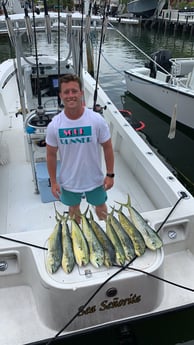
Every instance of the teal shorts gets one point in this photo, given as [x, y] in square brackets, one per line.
[96, 197]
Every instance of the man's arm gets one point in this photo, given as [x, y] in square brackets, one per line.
[52, 169]
[109, 161]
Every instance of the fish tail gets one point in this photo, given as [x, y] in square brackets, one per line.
[127, 204]
[86, 211]
[91, 216]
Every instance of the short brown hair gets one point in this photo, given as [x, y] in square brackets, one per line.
[66, 78]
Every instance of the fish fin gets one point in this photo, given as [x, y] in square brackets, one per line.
[129, 201]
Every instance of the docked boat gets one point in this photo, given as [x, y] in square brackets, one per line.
[41, 307]
[142, 7]
[167, 85]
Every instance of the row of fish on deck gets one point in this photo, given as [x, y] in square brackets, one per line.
[124, 239]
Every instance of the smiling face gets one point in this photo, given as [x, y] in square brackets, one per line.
[71, 96]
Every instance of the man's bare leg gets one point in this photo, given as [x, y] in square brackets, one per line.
[74, 212]
[101, 211]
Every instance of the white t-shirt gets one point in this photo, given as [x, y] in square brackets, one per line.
[79, 147]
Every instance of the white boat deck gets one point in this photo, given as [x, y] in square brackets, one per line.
[25, 322]
[45, 303]
[20, 202]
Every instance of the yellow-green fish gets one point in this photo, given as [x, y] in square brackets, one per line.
[134, 234]
[95, 248]
[54, 255]
[151, 238]
[80, 247]
[120, 255]
[126, 241]
[68, 259]
[109, 251]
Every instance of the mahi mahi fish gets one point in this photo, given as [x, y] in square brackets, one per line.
[95, 248]
[126, 241]
[151, 238]
[80, 246]
[68, 259]
[54, 255]
[134, 234]
[109, 251]
[120, 254]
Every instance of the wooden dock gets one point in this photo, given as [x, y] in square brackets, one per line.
[172, 20]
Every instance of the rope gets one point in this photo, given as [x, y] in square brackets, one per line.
[162, 279]
[183, 195]
[116, 69]
[22, 242]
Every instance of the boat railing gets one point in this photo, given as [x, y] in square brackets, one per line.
[182, 67]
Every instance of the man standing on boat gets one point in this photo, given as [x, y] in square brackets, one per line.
[78, 133]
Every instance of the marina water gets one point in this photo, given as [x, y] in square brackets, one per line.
[118, 54]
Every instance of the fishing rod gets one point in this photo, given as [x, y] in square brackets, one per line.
[58, 48]
[104, 26]
[81, 41]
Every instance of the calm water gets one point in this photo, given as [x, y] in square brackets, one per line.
[120, 54]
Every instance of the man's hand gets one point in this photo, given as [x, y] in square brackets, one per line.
[108, 182]
[56, 190]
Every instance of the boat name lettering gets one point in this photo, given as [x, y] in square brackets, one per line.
[110, 304]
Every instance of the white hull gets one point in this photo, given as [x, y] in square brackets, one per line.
[36, 305]
[162, 95]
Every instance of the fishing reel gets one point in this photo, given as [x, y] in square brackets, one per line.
[37, 120]
[99, 109]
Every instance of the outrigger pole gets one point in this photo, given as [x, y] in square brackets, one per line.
[47, 22]
[28, 26]
[103, 31]
[17, 68]
[40, 108]
[90, 62]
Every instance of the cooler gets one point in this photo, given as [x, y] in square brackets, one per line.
[43, 181]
